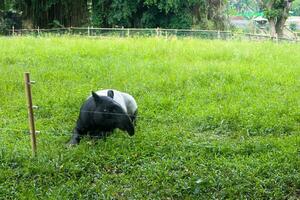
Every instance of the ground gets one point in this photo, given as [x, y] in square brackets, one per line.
[217, 119]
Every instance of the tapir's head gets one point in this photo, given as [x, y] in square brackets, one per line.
[110, 114]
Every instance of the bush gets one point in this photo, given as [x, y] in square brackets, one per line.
[11, 18]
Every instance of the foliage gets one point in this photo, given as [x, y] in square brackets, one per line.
[152, 14]
[43, 13]
[127, 13]
[121, 12]
[276, 8]
[296, 8]
[11, 18]
[217, 119]
[277, 12]
[246, 8]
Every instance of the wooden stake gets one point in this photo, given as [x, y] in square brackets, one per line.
[30, 112]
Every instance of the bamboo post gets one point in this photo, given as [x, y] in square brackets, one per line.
[30, 112]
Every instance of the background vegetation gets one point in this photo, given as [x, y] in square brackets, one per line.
[203, 14]
[276, 11]
[127, 13]
[217, 119]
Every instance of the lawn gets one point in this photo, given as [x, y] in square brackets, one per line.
[217, 119]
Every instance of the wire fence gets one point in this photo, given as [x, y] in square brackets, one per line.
[54, 132]
[21, 110]
[146, 32]
[62, 132]
[124, 32]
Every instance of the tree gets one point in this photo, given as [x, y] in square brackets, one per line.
[296, 8]
[246, 8]
[277, 12]
[127, 13]
[111, 13]
[159, 13]
[44, 13]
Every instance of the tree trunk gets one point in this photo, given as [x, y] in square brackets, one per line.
[272, 27]
[216, 11]
[196, 13]
[280, 26]
[78, 13]
[282, 19]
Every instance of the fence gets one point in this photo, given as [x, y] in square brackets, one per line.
[124, 32]
[147, 32]
[9, 125]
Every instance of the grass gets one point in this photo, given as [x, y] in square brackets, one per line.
[218, 119]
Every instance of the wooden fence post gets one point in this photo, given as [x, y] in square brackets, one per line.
[30, 112]
[13, 30]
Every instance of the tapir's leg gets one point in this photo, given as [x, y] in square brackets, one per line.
[100, 134]
[105, 134]
[77, 134]
[96, 134]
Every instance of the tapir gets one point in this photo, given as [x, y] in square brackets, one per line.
[104, 111]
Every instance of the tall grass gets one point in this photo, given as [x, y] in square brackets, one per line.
[217, 119]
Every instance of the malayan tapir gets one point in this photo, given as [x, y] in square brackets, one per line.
[104, 111]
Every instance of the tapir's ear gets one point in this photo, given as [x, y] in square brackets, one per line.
[96, 97]
[110, 93]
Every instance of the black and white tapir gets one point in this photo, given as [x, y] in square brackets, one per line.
[104, 111]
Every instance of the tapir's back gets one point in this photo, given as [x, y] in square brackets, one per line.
[130, 103]
[126, 101]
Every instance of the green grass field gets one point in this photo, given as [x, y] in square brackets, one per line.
[217, 119]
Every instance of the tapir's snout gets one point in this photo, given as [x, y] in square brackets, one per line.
[130, 129]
